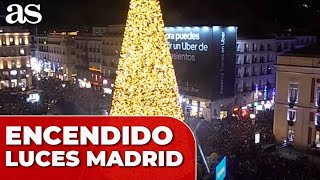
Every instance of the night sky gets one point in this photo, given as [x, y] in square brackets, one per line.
[247, 14]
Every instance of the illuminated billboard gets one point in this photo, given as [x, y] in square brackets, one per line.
[204, 60]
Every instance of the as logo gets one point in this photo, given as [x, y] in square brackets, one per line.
[17, 14]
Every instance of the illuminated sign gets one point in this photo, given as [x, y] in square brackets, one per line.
[204, 60]
[221, 169]
[94, 69]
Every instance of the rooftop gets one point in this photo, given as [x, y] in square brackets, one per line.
[308, 51]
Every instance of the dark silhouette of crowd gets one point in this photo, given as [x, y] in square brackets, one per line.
[51, 90]
[246, 160]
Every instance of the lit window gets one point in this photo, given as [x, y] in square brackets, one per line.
[11, 40]
[246, 47]
[223, 114]
[254, 47]
[13, 72]
[318, 96]
[203, 105]
[20, 40]
[317, 119]
[22, 52]
[317, 141]
[292, 115]
[293, 93]
[291, 134]
[238, 47]
[194, 103]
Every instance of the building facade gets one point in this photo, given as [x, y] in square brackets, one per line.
[15, 55]
[55, 53]
[297, 106]
[92, 59]
[255, 71]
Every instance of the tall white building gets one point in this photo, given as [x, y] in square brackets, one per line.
[255, 71]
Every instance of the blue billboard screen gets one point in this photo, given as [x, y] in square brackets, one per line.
[204, 60]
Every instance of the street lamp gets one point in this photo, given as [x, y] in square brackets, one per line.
[63, 85]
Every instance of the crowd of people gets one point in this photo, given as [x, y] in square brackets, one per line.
[232, 137]
[247, 159]
[13, 101]
[92, 101]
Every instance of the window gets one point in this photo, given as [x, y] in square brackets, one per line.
[254, 47]
[269, 71]
[22, 52]
[11, 40]
[317, 140]
[254, 71]
[292, 115]
[254, 59]
[13, 72]
[246, 47]
[14, 83]
[245, 58]
[291, 134]
[13, 64]
[203, 105]
[279, 47]
[5, 64]
[238, 47]
[5, 73]
[238, 61]
[195, 103]
[318, 96]
[293, 93]
[223, 114]
[317, 119]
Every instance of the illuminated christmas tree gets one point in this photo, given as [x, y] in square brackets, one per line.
[146, 83]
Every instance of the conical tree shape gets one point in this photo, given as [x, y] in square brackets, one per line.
[146, 84]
